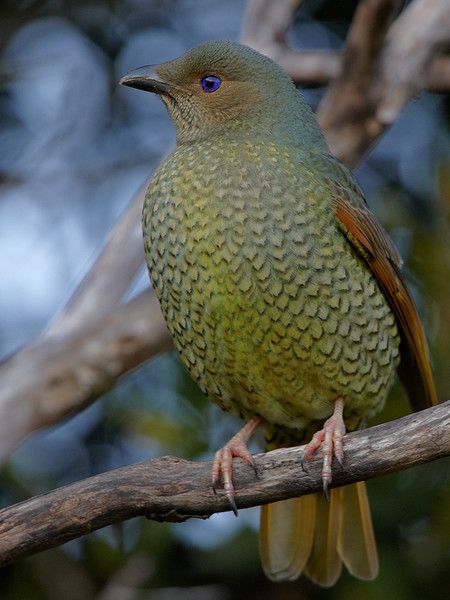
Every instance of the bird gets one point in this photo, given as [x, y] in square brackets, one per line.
[281, 290]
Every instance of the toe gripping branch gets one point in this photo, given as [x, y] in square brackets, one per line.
[330, 438]
[223, 460]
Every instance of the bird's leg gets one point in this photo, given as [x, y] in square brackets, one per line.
[330, 438]
[223, 459]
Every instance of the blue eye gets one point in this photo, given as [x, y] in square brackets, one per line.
[210, 83]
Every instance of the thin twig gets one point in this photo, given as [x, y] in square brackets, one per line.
[171, 489]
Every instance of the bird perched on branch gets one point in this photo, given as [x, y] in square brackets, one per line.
[281, 290]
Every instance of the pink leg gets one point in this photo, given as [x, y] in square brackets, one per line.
[223, 459]
[330, 438]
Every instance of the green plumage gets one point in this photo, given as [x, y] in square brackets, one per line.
[272, 311]
[281, 291]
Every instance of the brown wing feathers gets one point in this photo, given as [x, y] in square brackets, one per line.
[369, 238]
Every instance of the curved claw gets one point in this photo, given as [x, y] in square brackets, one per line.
[330, 438]
[223, 460]
[303, 461]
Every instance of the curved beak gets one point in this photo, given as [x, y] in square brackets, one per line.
[146, 78]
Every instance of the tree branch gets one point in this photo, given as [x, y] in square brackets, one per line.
[58, 375]
[267, 23]
[384, 65]
[421, 31]
[347, 111]
[171, 489]
[91, 343]
[109, 278]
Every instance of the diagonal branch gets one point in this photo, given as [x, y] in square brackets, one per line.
[58, 375]
[110, 277]
[171, 489]
[92, 342]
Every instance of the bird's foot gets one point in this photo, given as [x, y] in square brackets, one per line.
[223, 459]
[330, 438]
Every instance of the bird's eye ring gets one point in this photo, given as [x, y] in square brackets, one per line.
[210, 83]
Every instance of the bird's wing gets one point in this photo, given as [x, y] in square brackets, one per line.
[368, 237]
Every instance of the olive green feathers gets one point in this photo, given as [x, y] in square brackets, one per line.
[275, 299]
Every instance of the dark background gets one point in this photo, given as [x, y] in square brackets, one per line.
[74, 147]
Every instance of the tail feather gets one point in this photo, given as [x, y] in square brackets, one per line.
[324, 565]
[286, 536]
[356, 544]
[313, 536]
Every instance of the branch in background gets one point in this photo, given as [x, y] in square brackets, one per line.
[437, 77]
[265, 29]
[384, 65]
[170, 489]
[92, 342]
[347, 110]
[108, 280]
[58, 375]
[421, 31]
[310, 69]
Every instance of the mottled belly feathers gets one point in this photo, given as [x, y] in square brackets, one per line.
[272, 310]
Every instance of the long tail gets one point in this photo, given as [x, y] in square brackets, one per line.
[313, 536]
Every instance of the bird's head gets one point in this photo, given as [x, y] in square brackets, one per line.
[225, 87]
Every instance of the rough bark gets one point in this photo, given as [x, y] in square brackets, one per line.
[171, 489]
[58, 375]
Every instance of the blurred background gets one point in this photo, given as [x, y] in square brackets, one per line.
[74, 148]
